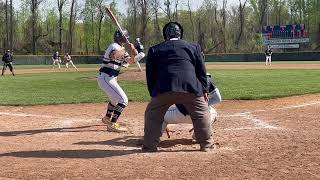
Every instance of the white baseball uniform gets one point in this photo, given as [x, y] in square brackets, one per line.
[69, 61]
[138, 57]
[268, 54]
[107, 80]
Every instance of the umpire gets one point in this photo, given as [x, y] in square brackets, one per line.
[176, 74]
[7, 62]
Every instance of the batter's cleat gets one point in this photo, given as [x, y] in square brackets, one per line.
[115, 127]
[106, 120]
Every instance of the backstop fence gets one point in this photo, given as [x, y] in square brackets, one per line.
[247, 57]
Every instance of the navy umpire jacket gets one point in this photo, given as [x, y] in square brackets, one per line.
[176, 66]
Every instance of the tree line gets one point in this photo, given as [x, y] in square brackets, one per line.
[218, 26]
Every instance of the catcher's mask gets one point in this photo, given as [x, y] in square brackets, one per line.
[119, 37]
[172, 30]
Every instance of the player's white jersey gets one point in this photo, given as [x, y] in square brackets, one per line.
[114, 64]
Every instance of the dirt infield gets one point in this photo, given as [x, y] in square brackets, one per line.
[265, 139]
[277, 138]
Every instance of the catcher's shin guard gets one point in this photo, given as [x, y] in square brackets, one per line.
[117, 112]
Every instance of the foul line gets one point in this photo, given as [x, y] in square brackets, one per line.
[260, 124]
[45, 116]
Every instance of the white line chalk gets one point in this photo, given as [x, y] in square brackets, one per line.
[46, 116]
[259, 124]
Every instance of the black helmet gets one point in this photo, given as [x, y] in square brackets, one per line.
[119, 37]
[172, 30]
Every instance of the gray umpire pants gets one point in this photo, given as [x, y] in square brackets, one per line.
[156, 109]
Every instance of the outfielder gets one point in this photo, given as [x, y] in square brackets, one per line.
[68, 60]
[56, 60]
[139, 47]
[178, 114]
[268, 54]
[7, 62]
[114, 57]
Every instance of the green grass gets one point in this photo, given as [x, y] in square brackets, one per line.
[74, 87]
[266, 84]
[61, 88]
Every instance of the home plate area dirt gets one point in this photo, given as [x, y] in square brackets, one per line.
[266, 139]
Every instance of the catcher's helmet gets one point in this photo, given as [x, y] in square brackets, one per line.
[172, 30]
[119, 37]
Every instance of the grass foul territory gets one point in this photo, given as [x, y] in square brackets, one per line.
[75, 87]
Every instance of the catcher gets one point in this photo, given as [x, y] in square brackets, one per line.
[138, 45]
[7, 62]
[115, 56]
[178, 114]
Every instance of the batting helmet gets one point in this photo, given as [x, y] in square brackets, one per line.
[119, 37]
[172, 30]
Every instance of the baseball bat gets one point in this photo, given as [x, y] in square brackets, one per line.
[115, 21]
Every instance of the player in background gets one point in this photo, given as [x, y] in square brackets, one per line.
[178, 114]
[7, 62]
[56, 60]
[115, 56]
[68, 60]
[268, 54]
[139, 47]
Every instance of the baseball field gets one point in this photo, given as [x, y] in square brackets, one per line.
[267, 128]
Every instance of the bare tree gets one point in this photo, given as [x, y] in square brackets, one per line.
[7, 26]
[167, 4]
[201, 35]
[133, 10]
[144, 19]
[191, 20]
[11, 26]
[34, 23]
[263, 6]
[100, 16]
[71, 25]
[279, 12]
[60, 7]
[155, 4]
[241, 18]
[222, 25]
[176, 15]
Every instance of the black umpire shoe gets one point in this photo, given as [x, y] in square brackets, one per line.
[209, 147]
[145, 149]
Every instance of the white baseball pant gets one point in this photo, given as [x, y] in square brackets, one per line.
[138, 58]
[174, 116]
[112, 89]
[70, 62]
[56, 61]
[268, 60]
